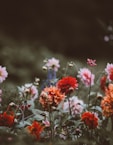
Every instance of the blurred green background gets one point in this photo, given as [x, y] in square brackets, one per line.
[66, 29]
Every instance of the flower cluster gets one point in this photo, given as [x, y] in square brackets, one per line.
[71, 106]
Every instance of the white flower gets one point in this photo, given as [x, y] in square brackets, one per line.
[3, 74]
[76, 105]
[28, 89]
[53, 63]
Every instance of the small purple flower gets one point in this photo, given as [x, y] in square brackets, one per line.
[3, 74]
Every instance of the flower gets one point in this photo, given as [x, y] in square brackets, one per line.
[90, 119]
[51, 97]
[109, 71]
[107, 102]
[6, 119]
[67, 84]
[86, 77]
[91, 62]
[76, 106]
[3, 74]
[28, 90]
[52, 63]
[36, 129]
[103, 80]
[107, 106]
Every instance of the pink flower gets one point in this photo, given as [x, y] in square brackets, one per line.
[91, 62]
[3, 74]
[53, 63]
[76, 106]
[109, 71]
[86, 77]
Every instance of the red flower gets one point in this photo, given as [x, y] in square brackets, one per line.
[6, 119]
[36, 129]
[103, 82]
[90, 119]
[67, 84]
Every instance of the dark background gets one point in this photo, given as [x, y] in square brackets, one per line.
[32, 30]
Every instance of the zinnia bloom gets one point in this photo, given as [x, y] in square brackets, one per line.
[109, 71]
[91, 62]
[76, 106]
[6, 119]
[90, 119]
[3, 74]
[67, 84]
[51, 96]
[36, 129]
[86, 77]
[52, 63]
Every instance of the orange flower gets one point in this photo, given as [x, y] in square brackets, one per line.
[90, 119]
[107, 106]
[107, 102]
[6, 119]
[51, 97]
[67, 84]
[36, 129]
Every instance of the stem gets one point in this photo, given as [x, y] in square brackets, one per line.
[69, 107]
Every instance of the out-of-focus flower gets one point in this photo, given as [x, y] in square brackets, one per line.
[3, 74]
[109, 71]
[107, 102]
[36, 129]
[6, 119]
[67, 84]
[28, 90]
[86, 77]
[76, 106]
[46, 123]
[51, 97]
[103, 80]
[107, 106]
[90, 119]
[52, 63]
[91, 62]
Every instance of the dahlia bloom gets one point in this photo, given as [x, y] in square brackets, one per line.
[109, 71]
[103, 82]
[76, 106]
[86, 77]
[67, 84]
[6, 119]
[3, 74]
[52, 63]
[36, 129]
[90, 119]
[28, 90]
[107, 102]
[91, 62]
[51, 97]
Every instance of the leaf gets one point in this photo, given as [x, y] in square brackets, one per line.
[97, 108]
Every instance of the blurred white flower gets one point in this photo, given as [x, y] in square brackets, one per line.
[53, 63]
[3, 74]
[76, 106]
